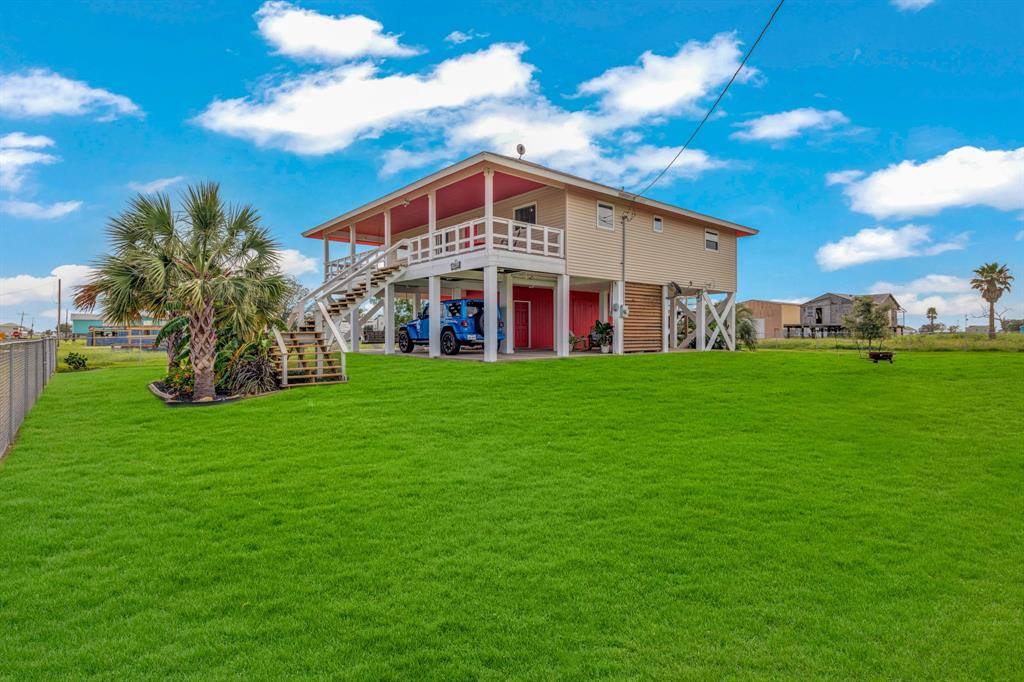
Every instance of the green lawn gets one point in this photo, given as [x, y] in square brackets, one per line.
[690, 516]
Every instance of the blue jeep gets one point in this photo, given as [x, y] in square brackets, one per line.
[462, 324]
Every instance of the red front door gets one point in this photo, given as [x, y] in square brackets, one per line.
[522, 339]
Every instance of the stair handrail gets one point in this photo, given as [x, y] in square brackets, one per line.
[343, 279]
[284, 355]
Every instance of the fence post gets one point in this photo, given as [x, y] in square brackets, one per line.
[10, 395]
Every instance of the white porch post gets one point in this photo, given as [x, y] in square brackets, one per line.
[389, 319]
[509, 314]
[602, 298]
[702, 320]
[489, 209]
[387, 228]
[730, 335]
[354, 313]
[432, 222]
[490, 313]
[673, 328]
[562, 316]
[665, 329]
[434, 323]
[619, 301]
[327, 254]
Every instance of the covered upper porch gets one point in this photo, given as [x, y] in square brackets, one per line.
[470, 216]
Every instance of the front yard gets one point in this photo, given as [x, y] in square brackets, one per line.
[775, 514]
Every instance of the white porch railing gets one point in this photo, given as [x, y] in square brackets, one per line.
[471, 235]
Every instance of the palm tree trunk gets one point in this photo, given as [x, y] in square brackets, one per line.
[203, 340]
[991, 319]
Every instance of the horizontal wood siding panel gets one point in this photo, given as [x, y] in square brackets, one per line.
[676, 254]
[642, 329]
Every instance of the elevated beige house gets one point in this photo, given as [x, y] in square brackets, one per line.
[553, 251]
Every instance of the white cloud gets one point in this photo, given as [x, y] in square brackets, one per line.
[787, 124]
[844, 177]
[965, 176]
[18, 152]
[911, 5]
[459, 37]
[28, 288]
[295, 263]
[306, 34]
[39, 92]
[33, 211]
[157, 185]
[326, 111]
[948, 294]
[882, 243]
[1019, 236]
[674, 84]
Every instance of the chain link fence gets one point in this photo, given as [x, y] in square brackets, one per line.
[25, 369]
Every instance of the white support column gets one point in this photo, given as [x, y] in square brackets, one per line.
[666, 333]
[618, 302]
[730, 336]
[702, 320]
[432, 223]
[387, 228]
[562, 316]
[602, 298]
[673, 324]
[354, 329]
[508, 312]
[327, 253]
[489, 209]
[490, 313]
[434, 323]
[389, 319]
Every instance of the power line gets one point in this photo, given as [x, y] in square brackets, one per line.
[713, 106]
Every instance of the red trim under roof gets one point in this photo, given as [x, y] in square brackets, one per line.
[461, 196]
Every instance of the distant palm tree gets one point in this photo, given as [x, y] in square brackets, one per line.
[212, 264]
[992, 280]
[932, 315]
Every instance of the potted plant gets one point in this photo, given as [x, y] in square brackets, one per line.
[603, 334]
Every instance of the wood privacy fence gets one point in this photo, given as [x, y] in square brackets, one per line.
[25, 369]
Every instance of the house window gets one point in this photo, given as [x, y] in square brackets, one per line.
[818, 315]
[657, 224]
[605, 216]
[525, 214]
[710, 240]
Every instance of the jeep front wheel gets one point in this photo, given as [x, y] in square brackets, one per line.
[449, 343]
[404, 342]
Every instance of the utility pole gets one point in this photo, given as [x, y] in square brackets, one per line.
[58, 310]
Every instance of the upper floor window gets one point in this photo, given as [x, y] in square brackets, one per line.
[525, 214]
[658, 224]
[605, 216]
[711, 240]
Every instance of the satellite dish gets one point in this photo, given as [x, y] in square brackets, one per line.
[520, 149]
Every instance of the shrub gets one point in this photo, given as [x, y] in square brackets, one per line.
[251, 375]
[180, 381]
[75, 361]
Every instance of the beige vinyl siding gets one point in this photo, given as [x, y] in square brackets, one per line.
[676, 254]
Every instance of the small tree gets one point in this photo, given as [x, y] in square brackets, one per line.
[746, 330]
[932, 315]
[992, 280]
[869, 321]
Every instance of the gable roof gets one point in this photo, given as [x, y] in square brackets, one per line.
[500, 160]
[877, 298]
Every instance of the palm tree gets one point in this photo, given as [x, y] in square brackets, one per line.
[932, 315]
[992, 280]
[213, 264]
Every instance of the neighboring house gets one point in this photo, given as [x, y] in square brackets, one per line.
[12, 330]
[976, 329]
[97, 332]
[554, 251]
[771, 317]
[825, 315]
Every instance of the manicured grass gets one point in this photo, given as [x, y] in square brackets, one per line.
[102, 356]
[691, 516]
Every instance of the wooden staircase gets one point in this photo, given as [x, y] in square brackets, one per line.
[312, 350]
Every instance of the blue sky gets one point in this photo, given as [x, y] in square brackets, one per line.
[874, 144]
